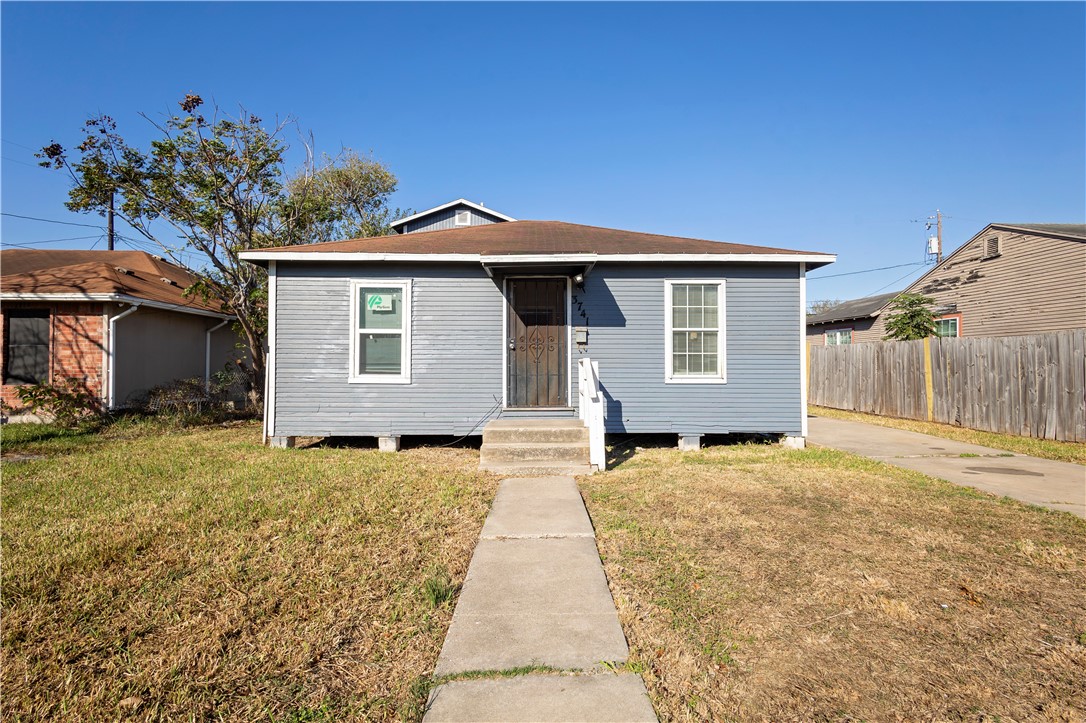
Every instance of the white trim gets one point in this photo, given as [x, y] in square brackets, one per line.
[116, 298]
[721, 347]
[537, 258]
[465, 222]
[404, 377]
[113, 354]
[803, 350]
[103, 375]
[442, 207]
[269, 360]
[505, 338]
[207, 353]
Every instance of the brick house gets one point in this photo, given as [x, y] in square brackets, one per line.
[116, 322]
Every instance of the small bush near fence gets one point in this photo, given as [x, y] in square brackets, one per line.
[1032, 386]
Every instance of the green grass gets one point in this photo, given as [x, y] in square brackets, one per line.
[1044, 448]
[196, 574]
[758, 583]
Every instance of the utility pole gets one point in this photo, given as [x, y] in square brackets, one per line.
[938, 234]
[109, 223]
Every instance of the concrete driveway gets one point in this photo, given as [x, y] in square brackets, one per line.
[1057, 485]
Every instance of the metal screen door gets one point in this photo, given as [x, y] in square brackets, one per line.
[537, 346]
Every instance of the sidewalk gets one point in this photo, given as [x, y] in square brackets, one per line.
[1044, 482]
[536, 596]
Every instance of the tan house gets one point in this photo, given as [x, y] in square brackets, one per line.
[117, 322]
[1008, 280]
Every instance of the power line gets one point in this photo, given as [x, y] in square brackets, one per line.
[56, 240]
[891, 283]
[49, 220]
[21, 163]
[865, 271]
[19, 144]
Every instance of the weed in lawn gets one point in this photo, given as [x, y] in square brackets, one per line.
[439, 588]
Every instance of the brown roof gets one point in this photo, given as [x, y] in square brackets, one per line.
[532, 237]
[95, 273]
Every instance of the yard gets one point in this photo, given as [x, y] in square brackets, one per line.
[756, 583]
[196, 575]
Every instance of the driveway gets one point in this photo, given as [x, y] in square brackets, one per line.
[1056, 485]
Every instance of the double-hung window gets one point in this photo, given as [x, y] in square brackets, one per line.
[694, 335]
[837, 337]
[26, 346]
[380, 332]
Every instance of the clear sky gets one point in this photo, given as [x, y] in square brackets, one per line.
[827, 127]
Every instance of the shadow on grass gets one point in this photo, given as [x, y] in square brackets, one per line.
[406, 442]
[622, 447]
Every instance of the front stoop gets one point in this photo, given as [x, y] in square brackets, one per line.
[535, 447]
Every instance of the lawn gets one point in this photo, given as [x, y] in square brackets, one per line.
[195, 575]
[757, 583]
[1044, 448]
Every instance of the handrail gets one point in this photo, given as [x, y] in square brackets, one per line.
[591, 410]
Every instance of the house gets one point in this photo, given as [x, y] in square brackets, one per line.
[1011, 279]
[439, 332]
[849, 322]
[117, 322]
[454, 214]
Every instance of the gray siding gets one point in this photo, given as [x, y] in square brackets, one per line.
[446, 219]
[625, 308]
[458, 352]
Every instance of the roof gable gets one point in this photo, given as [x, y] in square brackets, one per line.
[854, 309]
[451, 204]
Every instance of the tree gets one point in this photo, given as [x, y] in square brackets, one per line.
[820, 305]
[910, 317]
[217, 186]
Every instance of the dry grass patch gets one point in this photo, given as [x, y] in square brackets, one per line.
[756, 583]
[198, 575]
[1044, 448]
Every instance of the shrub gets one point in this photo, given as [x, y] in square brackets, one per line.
[68, 402]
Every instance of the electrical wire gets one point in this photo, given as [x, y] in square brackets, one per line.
[53, 240]
[49, 220]
[865, 271]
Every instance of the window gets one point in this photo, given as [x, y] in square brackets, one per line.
[947, 326]
[837, 337]
[26, 346]
[694, 335]
[380, 332]
[463, 218]
[992, 248]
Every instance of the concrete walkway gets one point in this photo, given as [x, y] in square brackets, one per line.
[1057, 485]
[536, 595]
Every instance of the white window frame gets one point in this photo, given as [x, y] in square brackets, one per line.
[957, 326]
[837, 332]
[404, 377]
[467, 218]
[669, 373]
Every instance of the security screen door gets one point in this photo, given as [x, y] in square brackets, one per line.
[537, 353]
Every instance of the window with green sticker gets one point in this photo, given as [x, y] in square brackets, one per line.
[381, 336]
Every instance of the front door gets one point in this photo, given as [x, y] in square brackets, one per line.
[538, 357]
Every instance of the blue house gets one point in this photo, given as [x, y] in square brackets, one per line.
[487, 319]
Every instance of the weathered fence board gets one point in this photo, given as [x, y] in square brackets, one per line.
[1033, 386]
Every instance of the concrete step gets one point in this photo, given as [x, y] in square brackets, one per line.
[574, 453]
[535, 469]
[535, 430]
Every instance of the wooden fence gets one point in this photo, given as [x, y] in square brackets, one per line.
[1032, 386]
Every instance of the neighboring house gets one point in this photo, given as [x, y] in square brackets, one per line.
[437, 332]
[1008, 280]
[849, 322]
[116, 321]
[454, 214]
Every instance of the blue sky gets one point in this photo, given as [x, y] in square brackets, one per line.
[827, 127]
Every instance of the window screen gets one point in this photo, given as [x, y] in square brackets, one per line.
[26, 347]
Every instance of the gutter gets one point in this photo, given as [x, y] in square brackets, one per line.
[207, 353]
[113, 353]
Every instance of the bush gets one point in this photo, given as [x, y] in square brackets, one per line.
[181, 397]
[68, 403]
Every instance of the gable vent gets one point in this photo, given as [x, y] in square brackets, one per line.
[463, 218]
[991, 247]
